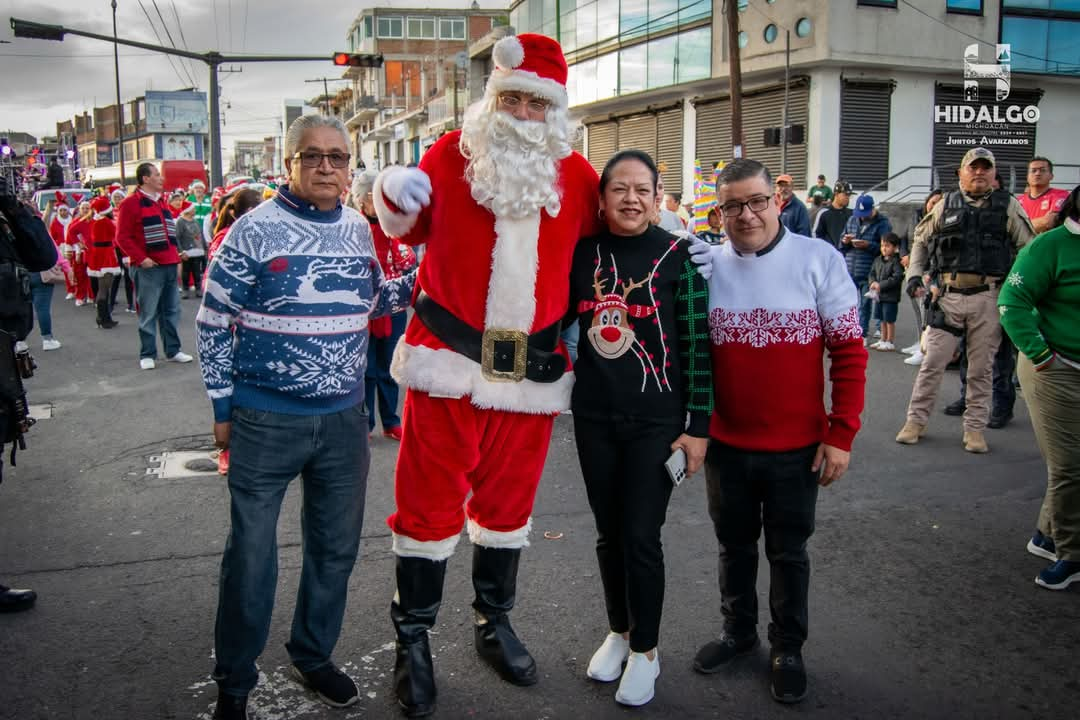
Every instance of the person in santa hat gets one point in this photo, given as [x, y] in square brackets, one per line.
[78, 239]
[101, 262]
[500, 205]
[58, 226]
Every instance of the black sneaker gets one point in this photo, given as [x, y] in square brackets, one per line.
[956, 409]
[999, 420]
[16, 600]
[716, 654]
[231, 707]
[333, 687]
[787, 676]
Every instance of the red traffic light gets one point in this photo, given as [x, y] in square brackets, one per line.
[343, 59]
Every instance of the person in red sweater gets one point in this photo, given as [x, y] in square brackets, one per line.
[146, 232]
[778, 301]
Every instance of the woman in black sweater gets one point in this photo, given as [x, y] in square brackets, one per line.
[643, 390]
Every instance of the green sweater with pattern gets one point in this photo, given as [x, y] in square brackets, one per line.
[1045, 279]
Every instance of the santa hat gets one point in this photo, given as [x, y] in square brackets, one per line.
[197, 183]
[532, 64]
[61, 199]
[101, 206]
[117, 193]
[188, 205]
[114, 187]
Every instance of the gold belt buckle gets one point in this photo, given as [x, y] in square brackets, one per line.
[487, 354]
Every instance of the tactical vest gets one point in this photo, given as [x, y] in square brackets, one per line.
[971, 239]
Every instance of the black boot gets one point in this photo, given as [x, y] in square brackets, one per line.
[14, 600]
[104, 317]
[495, 581]
[413, 610]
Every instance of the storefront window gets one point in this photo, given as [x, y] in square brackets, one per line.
[663, 14]
[633, 62]
[695, 55]
[633, 19]
[586, 25]
[607, 19]
[607, 76]
[663, 61]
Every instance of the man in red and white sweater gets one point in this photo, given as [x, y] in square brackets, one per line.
[777, 302]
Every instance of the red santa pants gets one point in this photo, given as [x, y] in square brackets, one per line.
[450, 448]
[82, 280]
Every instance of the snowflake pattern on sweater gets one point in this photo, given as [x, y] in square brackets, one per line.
[284, 320]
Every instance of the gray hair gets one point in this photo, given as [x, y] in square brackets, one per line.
[308, 122]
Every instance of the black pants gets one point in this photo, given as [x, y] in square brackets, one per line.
[125, 280]
[629, 489]
[191, 274]
[747, 490]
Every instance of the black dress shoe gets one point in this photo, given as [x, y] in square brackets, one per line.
[714, 655]
[956, 409]
[787, 676]
[999, 420]
[16, 600]
[231, 707]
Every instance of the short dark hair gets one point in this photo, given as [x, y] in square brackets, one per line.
[891, 238]
[1071, 208]
[820, 177]
[676, 196]
[743, 169]
[1040, 158]
[639, 155]
[143, 171]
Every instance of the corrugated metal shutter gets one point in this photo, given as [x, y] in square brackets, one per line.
[578, 143]
[669, 147]
[602, 139]
[1011, 160]
[761, 109]
[638, 133]
[864, 132]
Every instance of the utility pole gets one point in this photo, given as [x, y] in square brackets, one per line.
[326, 89]
[731, 11]
[784, 130]
[119, 104]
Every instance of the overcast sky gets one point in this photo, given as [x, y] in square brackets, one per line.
[44, 82]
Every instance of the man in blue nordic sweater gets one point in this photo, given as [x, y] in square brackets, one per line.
[283, 343]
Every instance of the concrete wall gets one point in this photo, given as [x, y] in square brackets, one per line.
[823, 131]
[1056, 134]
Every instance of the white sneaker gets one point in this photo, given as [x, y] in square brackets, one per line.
[877, 333]
[69, 296]
[885, 346]
[180, 357]
[50, 344]
[79, 303]
[147, 363]
[911, 349]
[606, 663]
[915, 359]
[875, 346]
[638, 680]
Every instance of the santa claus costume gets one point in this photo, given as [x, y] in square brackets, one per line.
[486, 373]
[101, 260]
[78, 238]
[58, 232]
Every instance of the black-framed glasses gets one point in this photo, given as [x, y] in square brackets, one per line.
[537, 105]
[734, 208]
[311, 159]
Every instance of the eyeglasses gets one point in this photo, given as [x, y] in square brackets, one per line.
[314, 159]
[756, 204]
[536, 104]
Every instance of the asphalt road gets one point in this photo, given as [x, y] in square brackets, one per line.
[923, 603]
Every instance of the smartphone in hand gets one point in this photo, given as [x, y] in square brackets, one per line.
[676, 466]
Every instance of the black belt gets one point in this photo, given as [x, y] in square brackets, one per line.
[101, 244]
[973, 290]
[504, 355]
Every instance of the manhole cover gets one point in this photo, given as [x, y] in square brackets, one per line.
[182, 464]
[201, 465]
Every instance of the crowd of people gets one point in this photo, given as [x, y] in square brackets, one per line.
[302, 331]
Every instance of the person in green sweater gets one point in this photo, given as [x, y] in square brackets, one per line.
[1040, 310]
[643, 390]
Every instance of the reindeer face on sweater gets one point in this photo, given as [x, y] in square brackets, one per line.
[611, 333]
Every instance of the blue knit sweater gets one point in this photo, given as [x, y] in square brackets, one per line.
[283, 324]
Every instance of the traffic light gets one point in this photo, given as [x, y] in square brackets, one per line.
[344, 59]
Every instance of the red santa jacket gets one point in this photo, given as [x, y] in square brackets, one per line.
[491, 273]
[78, 234]
[58, 233]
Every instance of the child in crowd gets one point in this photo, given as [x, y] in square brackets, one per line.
[886, 276]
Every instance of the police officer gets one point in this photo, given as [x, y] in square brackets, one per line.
[966, 245]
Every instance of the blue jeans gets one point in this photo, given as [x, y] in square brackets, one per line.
[268, 450]
[377, 378]
[570, 336]
[865, 306]
[42, 293]
[159, 308]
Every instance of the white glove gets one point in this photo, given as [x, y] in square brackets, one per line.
[408, 188]
[701, 253]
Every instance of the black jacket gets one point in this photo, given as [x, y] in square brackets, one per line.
[31, 244]
[889, 274]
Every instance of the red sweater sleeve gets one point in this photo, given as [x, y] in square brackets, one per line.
[128, 222]
[847, 373]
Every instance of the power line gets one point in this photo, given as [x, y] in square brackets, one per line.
[156, 35]
[243, 38]
[217, 34]
[180, 27]
[165, 27]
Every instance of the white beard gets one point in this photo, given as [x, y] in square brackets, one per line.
[63, 221]
[512, 164]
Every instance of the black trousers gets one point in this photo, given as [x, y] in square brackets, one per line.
[628, 488]
[777, 491]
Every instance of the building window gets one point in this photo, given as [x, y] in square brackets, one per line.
[803, 27]
[964, 7]
[1041, 45]
[366, 33]
[390, 28]
[744, 39]
[633, 63]
[421, 28]
[878, 3]
[770, 33]
[452, 28]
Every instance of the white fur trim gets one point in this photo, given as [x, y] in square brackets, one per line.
[103, 271]
[508, 52]
[529, 82]
[512, 539]
[405, 546]
[394, 224]
[511, 298]
[446, 373]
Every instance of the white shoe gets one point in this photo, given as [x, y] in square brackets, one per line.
[180, 357]
[915, 359]
[638, 680]
[69, 296]
[79, 303]
[147, 363]
[885, 346]
[877, 333]
[50, 344]
[875, 346]
[606, 663]
[911, 349]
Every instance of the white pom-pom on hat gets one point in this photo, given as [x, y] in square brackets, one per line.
[508, 53]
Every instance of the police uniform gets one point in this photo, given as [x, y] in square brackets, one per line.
[967, 243]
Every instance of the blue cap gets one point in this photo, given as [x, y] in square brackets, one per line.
[863, 207]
